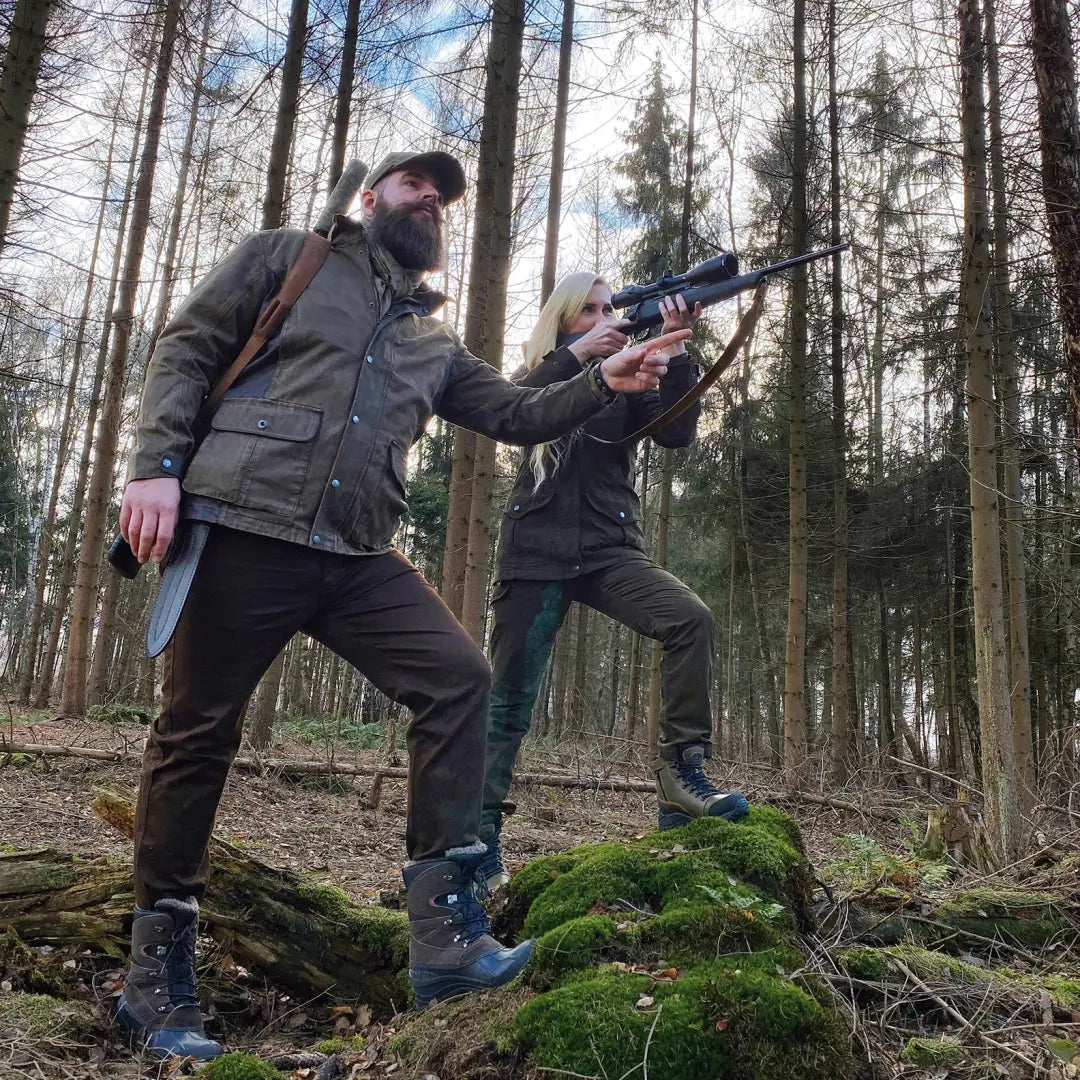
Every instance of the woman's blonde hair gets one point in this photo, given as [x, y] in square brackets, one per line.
[561, 311]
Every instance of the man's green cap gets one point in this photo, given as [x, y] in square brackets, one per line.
[445, 170]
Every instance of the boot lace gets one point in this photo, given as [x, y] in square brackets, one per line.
[469, 916]
[179, 966]
[694, 780]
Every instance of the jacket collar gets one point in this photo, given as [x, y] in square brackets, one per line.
[349, 236]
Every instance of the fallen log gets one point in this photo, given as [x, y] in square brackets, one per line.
[303, 936]
[292, 769]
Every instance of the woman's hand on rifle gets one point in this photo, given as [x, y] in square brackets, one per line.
[602, 340]
[677, 316]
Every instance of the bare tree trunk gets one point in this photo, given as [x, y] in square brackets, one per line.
[795, 661]
[1052, 35]
[490, 272]
[67, 559]
[33, 636]
[18, 84]
[260, 719]
[168, 273]
[456, 548]
[995, 717]
[558, 154]
[1019, 660]
[97, 503]
[273, 214]
[840, 748]
[343, 102]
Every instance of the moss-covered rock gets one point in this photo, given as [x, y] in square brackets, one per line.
[239, 1067]
[42, 1016]
[735, 1017]
[682, 942]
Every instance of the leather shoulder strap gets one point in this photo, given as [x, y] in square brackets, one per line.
[308, 263]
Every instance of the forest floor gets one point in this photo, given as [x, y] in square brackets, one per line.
[859, 841]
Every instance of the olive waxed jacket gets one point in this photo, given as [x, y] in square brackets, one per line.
[586, 513]
[310, 444]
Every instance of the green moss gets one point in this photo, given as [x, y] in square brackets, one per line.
[16, 761]
[239, 1067]
[407, 1048]
[726, 1019]
[1028, 917]
[932, 1053]
[352, 1045]
[40, 1015]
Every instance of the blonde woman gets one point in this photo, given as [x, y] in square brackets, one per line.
[572, 531]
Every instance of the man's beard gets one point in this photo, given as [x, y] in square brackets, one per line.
[414, 239]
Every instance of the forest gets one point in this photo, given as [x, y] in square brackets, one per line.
[879, 510]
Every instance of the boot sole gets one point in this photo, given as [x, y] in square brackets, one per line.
[136, 1036]
[431, 986]
[672, 819]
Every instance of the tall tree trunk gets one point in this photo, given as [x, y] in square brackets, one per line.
[1052, 35]
[18, 84]
[33, 636]
[273, 214]
[1019, 661]
[490, 271]
[260, 719]
[67, 559]
[798, 540]
[168, 273]
[456, 548]
[97, 503]
[995, 718]
[558, 155]
[840, 748]
[343, 102]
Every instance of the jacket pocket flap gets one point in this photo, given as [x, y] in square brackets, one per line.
[274, 419]
[520, 505]
[620, 506]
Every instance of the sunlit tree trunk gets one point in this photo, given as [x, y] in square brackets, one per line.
[273, 214]
[999, 782]
[97, 502]
[558, 155]
[490, 273]
[71, 539]
[343, 101]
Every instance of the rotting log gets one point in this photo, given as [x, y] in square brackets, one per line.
[304, 937]
[294, 769]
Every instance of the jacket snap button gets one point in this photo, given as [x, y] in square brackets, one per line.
[335, 483]
[166, 463]
[315, 539]
[370, 361]
[356, 419]
[517, 506]
[263, 423]
[621, 514]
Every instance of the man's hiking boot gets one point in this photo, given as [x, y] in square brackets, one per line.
[158, 1009]
[685, 792]
[491, 874]
[451, 950]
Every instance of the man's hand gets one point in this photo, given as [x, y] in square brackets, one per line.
[641, 367]
[148, 516]
[602, 340]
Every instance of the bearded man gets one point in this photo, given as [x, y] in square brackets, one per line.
[301, 478]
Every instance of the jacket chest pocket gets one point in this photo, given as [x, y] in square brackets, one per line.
[256, 455]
